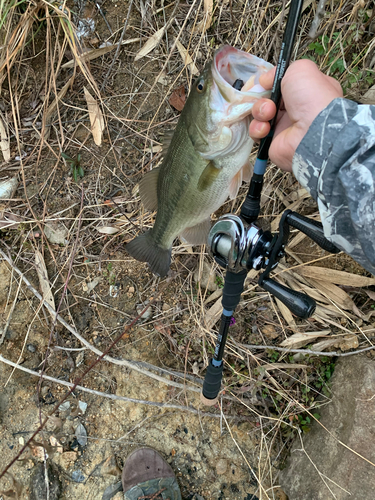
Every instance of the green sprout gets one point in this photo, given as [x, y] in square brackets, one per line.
[75, 166]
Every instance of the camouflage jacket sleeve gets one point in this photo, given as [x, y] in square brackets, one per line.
[335, 162]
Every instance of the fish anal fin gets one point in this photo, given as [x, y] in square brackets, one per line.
[197, 235]
[148, 189]
[208, 176]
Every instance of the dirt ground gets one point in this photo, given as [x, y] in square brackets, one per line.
[79, 228]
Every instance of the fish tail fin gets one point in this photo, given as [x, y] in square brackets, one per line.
[145, 249]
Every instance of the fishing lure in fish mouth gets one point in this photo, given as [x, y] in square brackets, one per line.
[207, 158]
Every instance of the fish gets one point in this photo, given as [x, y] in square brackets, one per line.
[206, 160]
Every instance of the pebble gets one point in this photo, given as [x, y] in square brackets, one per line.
[31, 347]
[81, 435]
[131, 289]
[82, 406]
[221, 466]
[64, 406]
[78, 477]
[68, 458]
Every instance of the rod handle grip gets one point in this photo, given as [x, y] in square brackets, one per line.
[212, 384]
[298, 303]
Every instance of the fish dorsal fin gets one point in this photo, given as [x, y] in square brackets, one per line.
[148, 189]
[208, 176]
[166, 141]
[197, 235]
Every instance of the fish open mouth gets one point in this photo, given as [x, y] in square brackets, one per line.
[231, 64]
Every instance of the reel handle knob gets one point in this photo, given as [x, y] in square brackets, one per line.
[298, 303]
[313, 229]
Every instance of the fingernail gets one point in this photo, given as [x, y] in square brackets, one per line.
[262, 108]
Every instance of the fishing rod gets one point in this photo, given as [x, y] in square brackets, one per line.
[239, 245]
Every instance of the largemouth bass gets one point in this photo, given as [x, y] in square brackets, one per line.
[207, 159]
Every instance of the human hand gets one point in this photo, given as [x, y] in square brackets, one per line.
[306, 91]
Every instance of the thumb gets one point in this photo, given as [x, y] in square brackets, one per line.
[266, 79]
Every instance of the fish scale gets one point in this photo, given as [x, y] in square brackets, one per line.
[207, 158]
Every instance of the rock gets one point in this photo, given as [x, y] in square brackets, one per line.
[31, 347]
[38, 490]
[68, 458]
[328, 470]
[206, 277]
[221, 466]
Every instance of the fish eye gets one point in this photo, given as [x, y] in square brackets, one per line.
[201, 85]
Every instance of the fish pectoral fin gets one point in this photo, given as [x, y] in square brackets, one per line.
[166, 142]
[148, 189]
[197, 235]
[247, 172]
[235, 184]
[208, 176]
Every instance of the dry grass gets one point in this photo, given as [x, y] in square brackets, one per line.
[79, 228]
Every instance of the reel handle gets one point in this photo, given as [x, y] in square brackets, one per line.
[298, 303]
[313, 229]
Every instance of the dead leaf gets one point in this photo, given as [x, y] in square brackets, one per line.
[107, 230]
[96, 117]
[44, 281]
[323, 345]
[188, 61]
[347, 342]
[335, 293]
[4, 139]
[332, 276]
[287, 315]
[369, 97]
[9, 220]
[269, 332]
[284, 366]
[56, 234]
[178, 98]
[207, 17]
[8, 188]
[91, 54]
[53, 106]
[151, 43]
[370, 294]
[298, 340]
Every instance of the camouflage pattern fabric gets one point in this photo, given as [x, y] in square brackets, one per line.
[335, 162]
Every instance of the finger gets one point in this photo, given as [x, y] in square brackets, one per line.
[258, 130]
[266, 80]
[264, 110]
